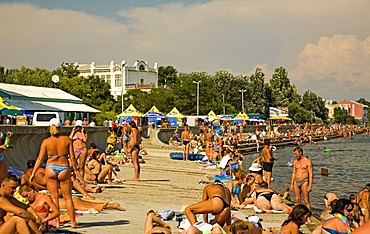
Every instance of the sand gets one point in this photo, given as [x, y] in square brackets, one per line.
[165, 184]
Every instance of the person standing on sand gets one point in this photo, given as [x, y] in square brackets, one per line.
[3, 148]
[216, 200]
[134, 148]
[363, 202]
[302, 177]
[185, 136]
[267, 161]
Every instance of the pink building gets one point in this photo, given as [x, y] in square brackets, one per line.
[355, 109]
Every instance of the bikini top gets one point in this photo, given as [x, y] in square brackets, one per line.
[42, 209]
[217, 182]
[77, 138]
[57, 156]
[235, 190]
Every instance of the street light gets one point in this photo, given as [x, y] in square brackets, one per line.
[223, 102]
[123, 64]
[242, 91]
[197, 95]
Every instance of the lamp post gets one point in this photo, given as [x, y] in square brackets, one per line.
[197, 95]
[223, 102]
[242, 91]
[123, 82]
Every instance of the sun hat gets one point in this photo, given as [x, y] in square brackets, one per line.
[55, 121]
[255, 167]
[79, 123]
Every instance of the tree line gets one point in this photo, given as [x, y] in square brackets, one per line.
[221, 92]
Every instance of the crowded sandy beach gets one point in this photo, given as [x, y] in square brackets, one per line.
[161, 187]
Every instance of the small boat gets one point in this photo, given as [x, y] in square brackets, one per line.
[192, 156]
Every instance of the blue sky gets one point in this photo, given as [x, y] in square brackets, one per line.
[324, 45]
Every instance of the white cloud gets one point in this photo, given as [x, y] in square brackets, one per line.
[234, 35]
[338, 66]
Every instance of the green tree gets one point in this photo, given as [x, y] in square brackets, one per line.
[338, 115]
[315, 104]
[282, 91]
[255, 97]
[167, 76]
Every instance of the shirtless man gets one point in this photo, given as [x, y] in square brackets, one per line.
[185, 136]
[216, 200]
[24, 215]
[302, 177]
[267, 161]
[363, 202]
[38, 180]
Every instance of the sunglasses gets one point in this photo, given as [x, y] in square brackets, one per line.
[349, 210]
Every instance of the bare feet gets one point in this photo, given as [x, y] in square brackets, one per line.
[135, 179]
[89, 197]
[73, 226]
[118, 207]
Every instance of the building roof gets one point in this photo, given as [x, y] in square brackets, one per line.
[32, 98]
[34, 92]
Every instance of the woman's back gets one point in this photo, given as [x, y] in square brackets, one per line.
[57, 148]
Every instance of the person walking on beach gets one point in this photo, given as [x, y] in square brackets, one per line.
[185, 136]
[267, 161]
[134, 149]
[59, 150]
[302, 177]
[216, 200]
[363, 202]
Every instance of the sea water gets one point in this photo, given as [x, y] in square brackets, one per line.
[348, 164]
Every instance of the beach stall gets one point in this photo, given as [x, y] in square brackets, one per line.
[175, 118]
[130, 114]
[212, 117]
[240, 118]
[154, 116]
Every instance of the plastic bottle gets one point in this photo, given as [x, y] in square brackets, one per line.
[7, 140]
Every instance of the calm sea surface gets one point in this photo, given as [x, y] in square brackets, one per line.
[348, 164]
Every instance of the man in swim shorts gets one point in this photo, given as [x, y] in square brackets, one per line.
[267, 161]
[302, 177]
[185, 136]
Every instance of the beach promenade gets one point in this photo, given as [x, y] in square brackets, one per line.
[165, 184]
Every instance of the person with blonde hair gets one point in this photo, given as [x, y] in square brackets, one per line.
[59, 150]
[235, 187]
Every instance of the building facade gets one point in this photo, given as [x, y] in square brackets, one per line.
[123, 77]
[355, 109]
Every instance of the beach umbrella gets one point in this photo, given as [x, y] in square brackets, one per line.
[226, 117]
[130, 111]
[212, 116]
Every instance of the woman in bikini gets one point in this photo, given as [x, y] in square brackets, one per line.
[296, 219]
[363, 202]
[59, 151]
[337, 223]
[134, 148]
[42, 203]
[266, 199]
[209, 142]
[79, 138]
[216, 200]
[235, 187]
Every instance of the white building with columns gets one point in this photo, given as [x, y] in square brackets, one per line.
[123, 77]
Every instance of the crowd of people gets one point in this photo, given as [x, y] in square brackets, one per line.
[64, 163]
[71, 165]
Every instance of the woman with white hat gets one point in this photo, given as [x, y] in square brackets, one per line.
[79, 138]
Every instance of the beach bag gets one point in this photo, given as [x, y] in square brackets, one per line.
[166, 214]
